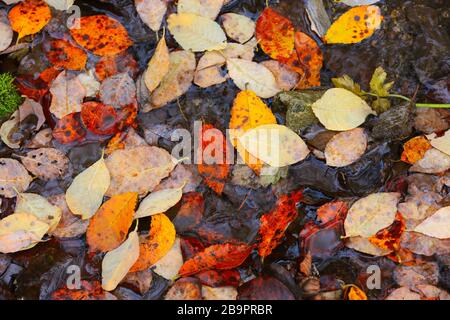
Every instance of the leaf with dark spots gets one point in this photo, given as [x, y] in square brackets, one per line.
[69, 129]
[88, 291]
[62, 54]
[99, 118]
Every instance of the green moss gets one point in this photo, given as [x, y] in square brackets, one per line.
[10, 99]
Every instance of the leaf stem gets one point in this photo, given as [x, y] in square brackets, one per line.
[432, 105]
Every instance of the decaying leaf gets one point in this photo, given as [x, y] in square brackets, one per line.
[6, 33]
[437, 226]
[67, 95]
[434, 161]
[370, 214]
[424, 245]
[275, 34]
[87, 291]
[355, 25]
[29, 17]
[101, 34]
[276, 145]
[196, 33]
[184, 177]
[122, 62]
[389, 238]
[70, 225]
[415, 149]
[20, 231]
[117, 263]
[206, 8]
[69, 129]
[169, 265]
[353, 292]
[85, 194]
[216, 257]
[152, 12]
[157, 244]
[139, 169]
[238, 27]
[62, 54]
[210, 76]
[13, 177]
[99, 118]
[362, 244]
[285, 77]
[7, 130]
[39, 207]
[158, 202]
[185, 289]
[46, 163]
[118, 90]
[158, 66]
[442, 143]
[222, 293]
[109, 226]
[341, 110]
[346, 147]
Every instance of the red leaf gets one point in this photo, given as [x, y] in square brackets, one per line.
[32, 88]
[88, 291]
[265, 288]
[190, 247]
[111, 65]
[275, 223]
[216, 257]
[99, 118]
[190, 213]
[69, 129]
[213, 278]
[331, 211]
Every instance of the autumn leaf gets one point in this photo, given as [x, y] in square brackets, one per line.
[206, 8]
[190, 213]
[29, 17]
[157, 244]
[353, 292]
[275, 34]
[389, 238]
[62, 54]
[355, 25]
[248, 112]
[238, 27]
[345, 82]
[346, 147]
[109, 226]
[331, 211]
[275, 223]
[69, 129]
[159, 202]
[13, 178]
[87, 291]
[46, 163]
[442, 143]
[102, 35]
[285, 76]
[99, 118]
[6, 33]
[217, 257]
[67, 95]
[158, 66]
[85, 195]
[169, 265]
[152, 12]
[433, 161]
[415, 149]
[437, 226]
[109, 66]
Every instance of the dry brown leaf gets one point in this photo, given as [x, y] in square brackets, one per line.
[285, 77]
[158, 66]
[67, 95]
[13, 176]
[152, 12]
[46, 163]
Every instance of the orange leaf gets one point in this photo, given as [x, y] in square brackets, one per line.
[102, 35]
[389, 238]
[99, 118]
[69, 129]
[111, 65]
[331, 211]
[88, 291]
[214, 171]
[109, 226]
[64, 55]
[157, 244]
[29, 17]
[275, 223]
[355, 25]
[352, 292]
[216, 257]
[307, 60]
[275, 34]
[49, 74]
[415, 149]
[249, 112]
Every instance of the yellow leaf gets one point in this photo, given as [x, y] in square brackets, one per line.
[346, 148]
[276, 145]
[158, 66]
[196, 33]
[85, 194]
[206, 8]
[40, 208]
[437, 226]
[151, 12]
[29, 17]
[238, 27]
[117, 263]
[341, 110]
[442, 143]
[170, 264]
[355, 25]
[159, 202]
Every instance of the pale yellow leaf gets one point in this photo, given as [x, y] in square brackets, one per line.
[341, 110]
[152, 12]
[40, 208]
[276, 145]
[362, 244]
[346, 148]
[67, 95]
[196, 33]
[206, 8]
[85, 194]
[118, 262]
[169, 265]
[158, 66]
[220, 293]
[238, 27]
[434, 161]
[437, 226]
[442, 143]
[159, 202]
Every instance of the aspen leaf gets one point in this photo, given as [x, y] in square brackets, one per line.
[196, 33]
[117, 263]
[85, 194]
[437, 226]
[415, 149]
[370, 214]
[118, 90]
[157, 244]
[159, 202]
[346, 148]
[249, 75]
[341, 110]
[355, 25]
[29, 17]
[276, 145]
[69, 129]
[67, 95]
[433, 161]
[169, 265]
[238, 27]
[152, 12]
[99, 118]
[109, 226]
[442, 143]
[206, 8]
[158, 66]
[62, 54]
[39, 207]
[46, 163]
[20, 231]
[13, 178]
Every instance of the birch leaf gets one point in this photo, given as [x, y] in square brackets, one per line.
[442, 143]
[170, 264]
[249, 75]
[85, 194]
[67, 95]
[13, 177]
[152, 12]
[196, 33]
[369, 215]
[238, 27]
[158, 66]
[437, 226]
[39, 207]
[118, 90]
[346, 148]
[46, 163]
[117, 263]
[20, 231]
[159, 202]
[434, 161]
[276, 145]
[29, 17]
[341, 110]
[206, 8]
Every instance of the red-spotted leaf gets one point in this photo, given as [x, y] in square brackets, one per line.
[99, 118]
[69, 129]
